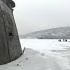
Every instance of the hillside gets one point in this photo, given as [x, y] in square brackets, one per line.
[55, 33]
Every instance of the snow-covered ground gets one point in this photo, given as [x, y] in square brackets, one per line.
[41, 55]
[46, 45]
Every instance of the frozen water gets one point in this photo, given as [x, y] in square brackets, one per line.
[47, 59]
[44, 45]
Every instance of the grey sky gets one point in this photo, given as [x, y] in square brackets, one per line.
[33, 15]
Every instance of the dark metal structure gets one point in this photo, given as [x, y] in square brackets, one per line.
[10, 48]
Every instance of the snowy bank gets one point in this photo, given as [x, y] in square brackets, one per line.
[33, 60]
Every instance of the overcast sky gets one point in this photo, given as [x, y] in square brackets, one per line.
[33, 15]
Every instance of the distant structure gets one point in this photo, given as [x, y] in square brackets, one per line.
[10, 48]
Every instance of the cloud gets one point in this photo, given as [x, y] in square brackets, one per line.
[33, 15]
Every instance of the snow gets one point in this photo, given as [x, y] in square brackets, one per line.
[39, 55]
[44, 45]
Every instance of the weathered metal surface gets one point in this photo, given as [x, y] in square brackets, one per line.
[10, 48]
